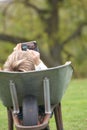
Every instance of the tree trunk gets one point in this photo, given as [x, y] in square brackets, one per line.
[52, 30]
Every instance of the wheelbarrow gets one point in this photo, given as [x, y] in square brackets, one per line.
[27, 91]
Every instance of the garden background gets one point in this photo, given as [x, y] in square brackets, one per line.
[60, 29]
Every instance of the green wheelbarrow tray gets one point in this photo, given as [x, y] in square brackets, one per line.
[28, 83]
[55, 80]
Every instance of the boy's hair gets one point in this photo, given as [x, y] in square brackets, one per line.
[19, 61]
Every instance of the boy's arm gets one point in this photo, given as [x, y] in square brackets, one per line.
[40, 66]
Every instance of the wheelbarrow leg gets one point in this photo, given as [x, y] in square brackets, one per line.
[10, 119]
[58, 117]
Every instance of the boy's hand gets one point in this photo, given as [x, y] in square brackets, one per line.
[18, 47]
[35, 56]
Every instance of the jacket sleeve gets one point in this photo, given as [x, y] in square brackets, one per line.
[41, 66]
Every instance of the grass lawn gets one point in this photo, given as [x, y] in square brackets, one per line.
[74, 108]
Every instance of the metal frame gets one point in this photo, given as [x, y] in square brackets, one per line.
[12, 119]
[47, 96]
[12, 113]
[14, 97]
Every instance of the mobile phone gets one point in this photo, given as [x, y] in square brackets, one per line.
[32, 45]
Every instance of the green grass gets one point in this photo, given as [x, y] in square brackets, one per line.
[74, 108]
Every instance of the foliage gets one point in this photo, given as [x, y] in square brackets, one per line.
[59, 27]
[5, 50]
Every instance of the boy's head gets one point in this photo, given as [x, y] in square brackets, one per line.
[19, 61]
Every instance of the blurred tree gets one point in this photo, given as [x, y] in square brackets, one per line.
[57, 25]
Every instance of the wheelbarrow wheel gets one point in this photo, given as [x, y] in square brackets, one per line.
[30, 111]
[47, 128]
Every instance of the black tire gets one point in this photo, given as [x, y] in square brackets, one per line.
[30, 111]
